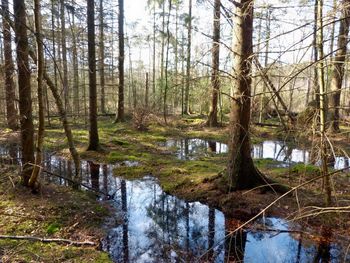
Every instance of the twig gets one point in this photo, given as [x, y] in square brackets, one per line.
[50, 240]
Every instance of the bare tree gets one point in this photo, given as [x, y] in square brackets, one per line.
[120, 113]
[25, 98]
[93, 131]
[11, 111]
[215, 78]
[338, 68]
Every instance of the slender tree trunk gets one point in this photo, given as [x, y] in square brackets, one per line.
[102, 60]
[188, 60]
[166, 65]
[76, 98]
[64, 55]
[316, 56]
[40, 64]
[322, 89]
[154, 59]
[162, 56]
[120, 114]
[25, 99]
[338, 68]
[147, 91]
[11, 111]
[93, 131]
[215, 78]
[268, 25]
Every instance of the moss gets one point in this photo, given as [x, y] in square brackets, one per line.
[53, 228]
[120, 156]
[305, 169]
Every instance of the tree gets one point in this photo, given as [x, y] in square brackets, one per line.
[338, 68]
[64, 54]
[241, 172]
[188, 60]
[215, 81]
[322, 99]
[120, 114]
[93, 131]
[11, 112]
[40, 63]
[25, 100]
[102, 59]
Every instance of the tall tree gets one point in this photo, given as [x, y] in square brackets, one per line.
[241, 172]
[215, 80]
[64, 54]
[11, 112]
[25, 99]
[93, 131]
[322, 99]
[102, 59]
[338, 68]
[188, 60]
[40, 65]
[120, 113]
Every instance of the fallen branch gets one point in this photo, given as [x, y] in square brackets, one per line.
[50, 240]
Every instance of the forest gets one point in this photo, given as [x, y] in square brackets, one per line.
[174, 131]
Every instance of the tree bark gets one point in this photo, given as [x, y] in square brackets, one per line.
[25, 100]
[215, 78]
[322, 97]
[241, 172]
[64, 55]
[338, 68]
[93, 129]
[102, 60]
[11, 111]
[40, 64]
[188, 60]
[120, 114]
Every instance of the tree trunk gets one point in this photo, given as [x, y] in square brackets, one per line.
[338, 68]
[76, 98]
[120, 114]
[64, 55]
[166, 65]
[102, 60]
[93, 131]
[322, 89]
[147, 92]
[25, 100]
[40, 65]
[188, 60]
[215, 80]
[241, 172]
[11, 111]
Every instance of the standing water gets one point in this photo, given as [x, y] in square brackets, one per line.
[152, 226]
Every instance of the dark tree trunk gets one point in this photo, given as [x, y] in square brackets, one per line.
[215, 80]
[242, 174]
[93, 131]
[25, 100]
[40, 64]
[64, 55]
[102, 59]
[11, 111]
[120, 114]
[338, 68]
[188, 61]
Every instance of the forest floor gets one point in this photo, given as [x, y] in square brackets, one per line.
[197, 179]
[57, 212]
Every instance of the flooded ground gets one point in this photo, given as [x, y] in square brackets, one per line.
[190, 149]
[152, 226]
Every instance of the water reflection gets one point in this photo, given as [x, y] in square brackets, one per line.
[152, 226]
[190, 149]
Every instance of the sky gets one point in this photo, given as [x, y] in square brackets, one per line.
[137, 11]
